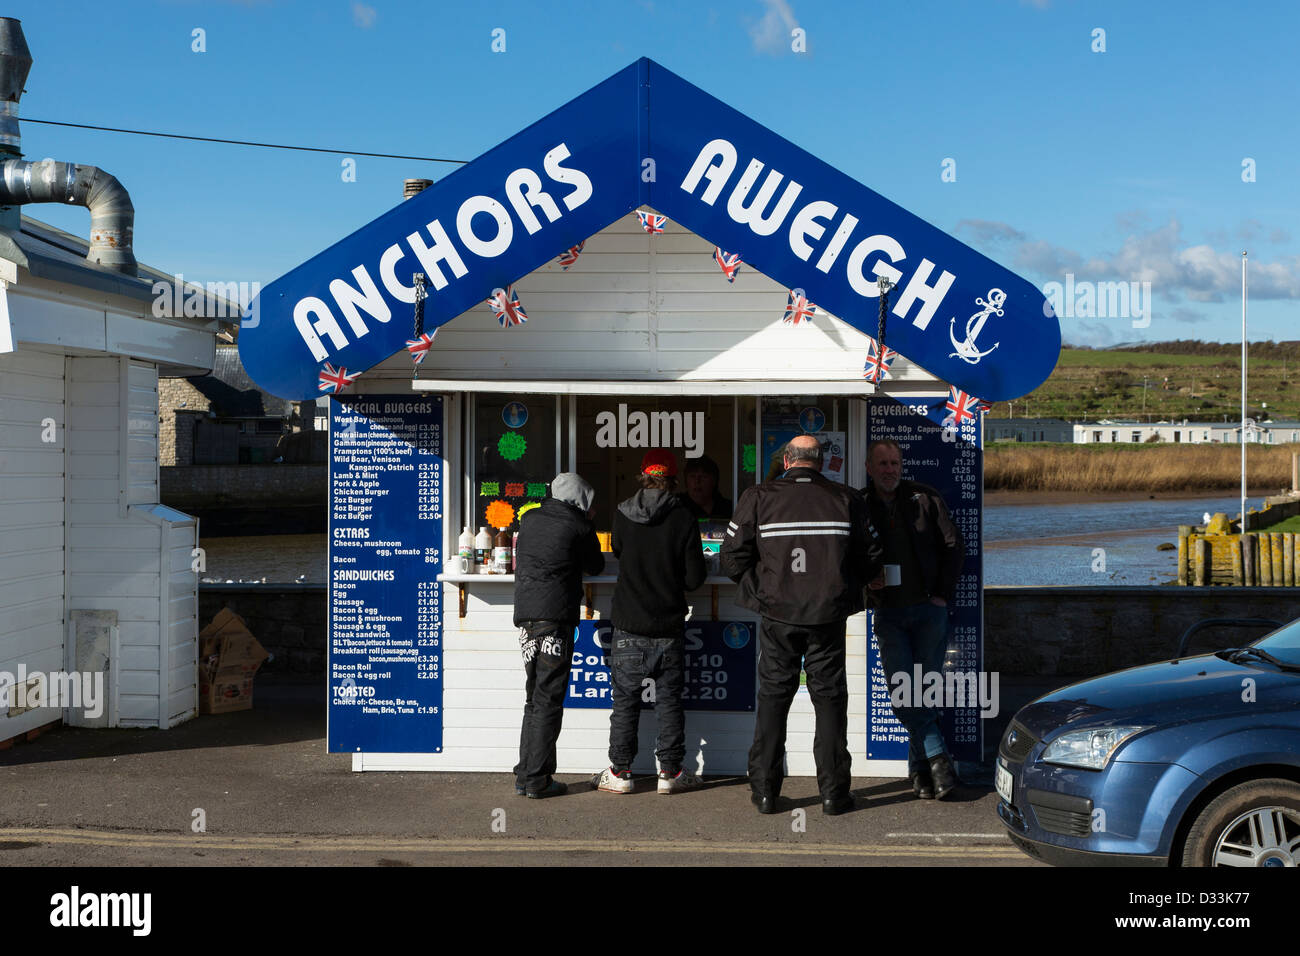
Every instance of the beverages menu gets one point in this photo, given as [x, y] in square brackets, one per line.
[942, 447]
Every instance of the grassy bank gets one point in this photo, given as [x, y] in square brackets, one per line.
[1106, 468]
[1154, 386]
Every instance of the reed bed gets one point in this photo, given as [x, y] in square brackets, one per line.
[1163, 467]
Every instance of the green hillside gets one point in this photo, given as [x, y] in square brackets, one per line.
[1194, 380]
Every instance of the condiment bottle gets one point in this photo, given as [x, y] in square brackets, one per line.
[465, 551]
[483, 551]
[501, 552]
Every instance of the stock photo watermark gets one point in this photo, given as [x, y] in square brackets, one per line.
[1073, 299]
[950, 690]
[234, 301]
[33, 690]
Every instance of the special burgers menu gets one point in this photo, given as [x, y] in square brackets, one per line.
[385, 536]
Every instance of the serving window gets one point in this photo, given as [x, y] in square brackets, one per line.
[517, 444]
[516, 456]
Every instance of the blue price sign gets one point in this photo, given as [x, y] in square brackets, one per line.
[941, 447]
[720, 660]
[385, 607]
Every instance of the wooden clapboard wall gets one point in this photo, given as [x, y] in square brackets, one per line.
[656, 308]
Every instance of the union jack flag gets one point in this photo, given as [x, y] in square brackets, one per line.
[335, 379]
[569, 256]
[876, 369]
[505, 306]
[960, 406]
[650, 222]
[798, 309]
[728, 262]
[419, 348]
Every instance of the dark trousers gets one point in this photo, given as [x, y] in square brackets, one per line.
[547, 648]
[821, 649]
[633, 658]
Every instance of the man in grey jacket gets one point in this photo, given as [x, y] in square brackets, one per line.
[910, 620]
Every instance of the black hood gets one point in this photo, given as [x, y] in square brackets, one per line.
[648, 506]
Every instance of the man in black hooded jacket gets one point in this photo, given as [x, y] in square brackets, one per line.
[657, 543]
[557, 545]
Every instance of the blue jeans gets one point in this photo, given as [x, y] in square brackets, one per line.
[907, 636]
[633, 658]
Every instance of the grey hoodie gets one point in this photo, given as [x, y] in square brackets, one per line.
[571, 488]
[648, 506]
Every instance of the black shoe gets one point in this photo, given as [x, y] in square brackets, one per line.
[945, 778]
[834, 806]
[765, 804]
[519, 790]
[552, 789]
[922, 784]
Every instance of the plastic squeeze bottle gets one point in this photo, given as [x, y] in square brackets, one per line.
[483, 551]
[465, 551]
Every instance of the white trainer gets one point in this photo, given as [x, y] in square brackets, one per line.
[612, 782]
[684, 780]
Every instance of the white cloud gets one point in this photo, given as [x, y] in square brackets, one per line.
[985, 230]
[772, 33]
[1176, 271]
[364, 16]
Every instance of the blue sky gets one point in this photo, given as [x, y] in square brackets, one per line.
[1122, 165]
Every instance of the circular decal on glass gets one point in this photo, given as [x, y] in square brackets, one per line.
[811, 419]
[735, 636]
[515, 414]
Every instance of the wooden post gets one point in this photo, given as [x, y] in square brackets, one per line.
[1288, 559]
[1238, 571]
[1275, 545]
[1248, 564]
[1183, 553]
[1202, 546]
[1265, 559]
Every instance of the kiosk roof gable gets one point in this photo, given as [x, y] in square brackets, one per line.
[647, 137]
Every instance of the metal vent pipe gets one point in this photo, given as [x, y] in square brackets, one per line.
[112, 216]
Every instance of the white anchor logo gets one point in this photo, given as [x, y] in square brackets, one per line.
[967, 350]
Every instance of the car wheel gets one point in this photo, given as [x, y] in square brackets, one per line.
[1253, 824]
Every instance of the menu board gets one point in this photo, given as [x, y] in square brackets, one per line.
[385, 536]
[720, 662]
[944, 450]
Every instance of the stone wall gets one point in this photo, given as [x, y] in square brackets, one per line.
[288, 620]
[205, 486]
[1044, 633]
[179, 404]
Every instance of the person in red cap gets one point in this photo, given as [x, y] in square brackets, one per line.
[660, 558]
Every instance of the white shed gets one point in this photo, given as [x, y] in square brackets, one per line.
[95, 574]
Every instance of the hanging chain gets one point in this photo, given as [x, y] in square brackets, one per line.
[884, 285]
[418, 280]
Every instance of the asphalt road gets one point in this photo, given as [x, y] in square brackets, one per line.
[265, 792]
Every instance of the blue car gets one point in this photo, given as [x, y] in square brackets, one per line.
[1191, 762]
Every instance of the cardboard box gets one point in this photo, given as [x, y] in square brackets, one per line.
[229, 656]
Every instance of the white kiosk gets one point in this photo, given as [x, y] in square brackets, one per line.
[644, 267]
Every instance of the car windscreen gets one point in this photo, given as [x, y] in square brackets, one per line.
[1284, 643]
